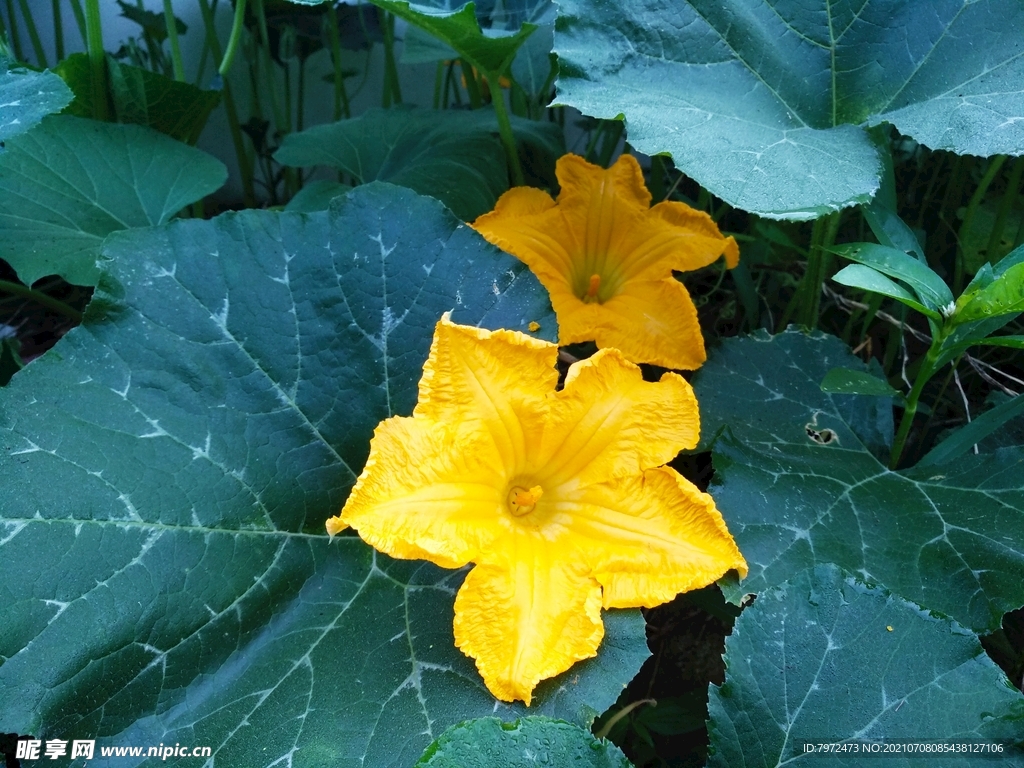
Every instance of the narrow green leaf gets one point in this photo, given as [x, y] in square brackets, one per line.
[892, 231]
[929, 287]
[970, 434]
[71, 182]
[847, 381]
[488, 742]
[1014, 342]
[26, 97]
[798, 485]
[869, 279]
[168, 468]
[824, 659]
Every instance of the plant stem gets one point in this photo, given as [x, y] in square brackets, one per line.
[33, 33]
[97, 59]
[610, 142]
[476, 99]
[41, 298]
[15, 38]
[79, 14]
[268, 62]
[1005, 206]
[823, 235]
[924, 375]
[236, 35]
[245, 163]
[505, 129]
[58, 31]
[341, 105]
[994, 166]
[172, 38]
[392, 89]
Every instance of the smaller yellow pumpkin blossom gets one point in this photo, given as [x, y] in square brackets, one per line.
[606, 257]
[558, 496]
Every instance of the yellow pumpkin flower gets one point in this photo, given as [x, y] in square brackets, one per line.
[606, 257]
[559, 497]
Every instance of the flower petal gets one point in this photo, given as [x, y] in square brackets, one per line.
[527, 619]
[428, 491]
[646, 539]
[648, 321]
[672, 236]
[608, 422]
[527, 223]
[483, 381]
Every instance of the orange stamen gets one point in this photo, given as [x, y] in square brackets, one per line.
[595, 284]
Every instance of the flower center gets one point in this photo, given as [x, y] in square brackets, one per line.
[591, 295]
[522, 501]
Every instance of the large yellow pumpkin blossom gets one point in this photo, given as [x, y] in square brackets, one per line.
[558, 497]
[606, 257]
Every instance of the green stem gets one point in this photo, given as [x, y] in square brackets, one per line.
[245, 163]
[818, 261]
[58, 31]
[476, 99]
[172, 38]
[610, 142]
[341, 105]
[994, 166]
[15, 37]
[657, 185]
[603, 733]
[79, 14]
[392, 89]
[438, 83]
[1005, 206]
[268, 62]
[33, 33]
[924, 375]
[236, 35]
[97, 59]
[505, 129]
[41, 298]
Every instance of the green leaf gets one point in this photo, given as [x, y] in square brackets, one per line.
[445, 154]
[70, 182]
[847, 381]
[179, 110]
[762, 103]
[26, 97]
[974, 432]
[316, 196]
[799, 485]
[1014, 342]
[869, 279]
[825, 659]
[10, 359]
[488, 742]
[168, 468]
[1003, 296]
[490, 51]
[929, 287]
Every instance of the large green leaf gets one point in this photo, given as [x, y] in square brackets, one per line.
[762, 102]
[27, 97]
[451, 155]
[142, 97]
[826, 659]
[488, 742]
[70, 182]
[168, 468]
[798, 482]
